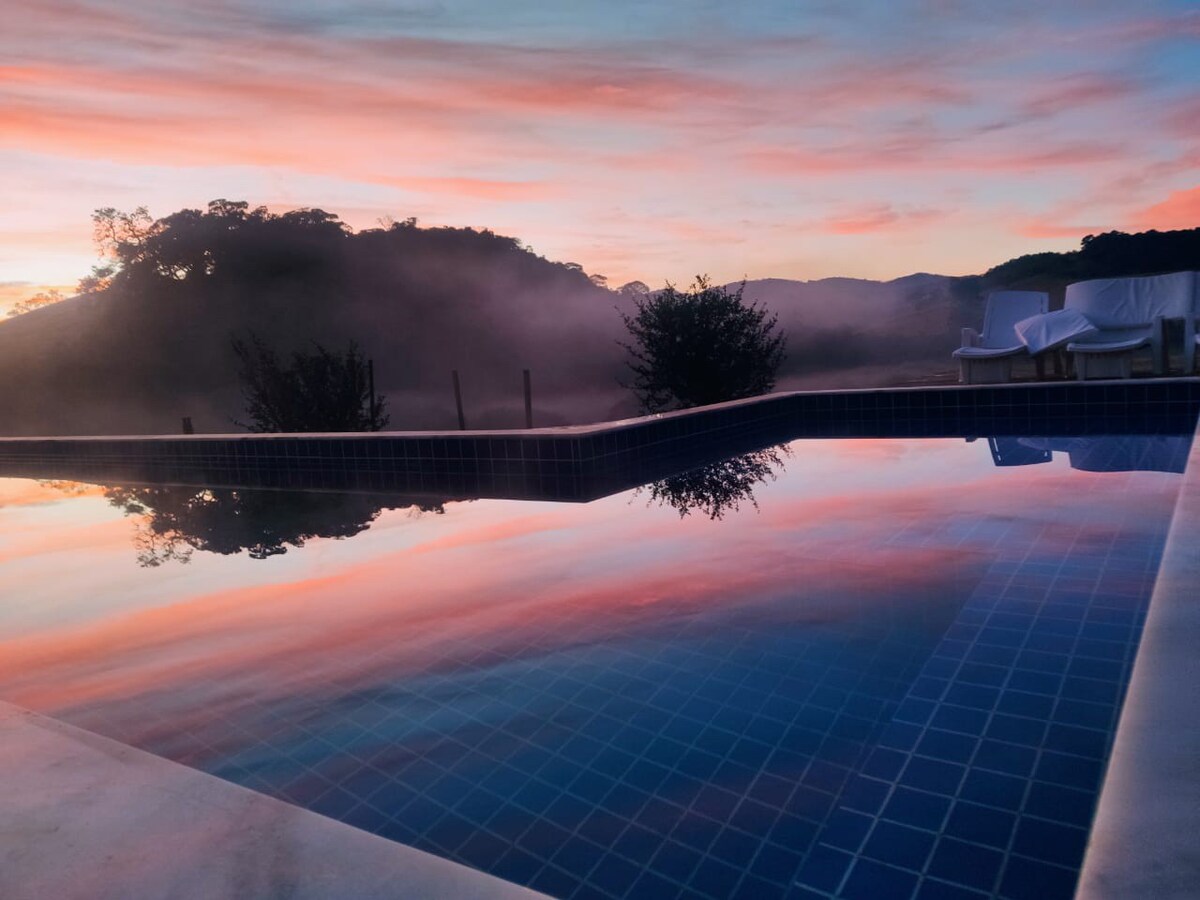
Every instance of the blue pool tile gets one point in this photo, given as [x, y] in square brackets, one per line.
[776, 863]
[1050, 842]
[870, 880]
[900, 736]
[932, 775]
[973, 696]
[637, 843]
[650, 886]
[918, 808]
[1029, 879]
[961, 719]
[994, 789]
[1089, 742]
[932, 889]
[518, 865]
[715, 879]
[613, 875]
[734, 847]
[966, 864]
[754, 888]
[1068, 770]
[865, 795]
[846, 830]
[1016, 730]
[885, 763]
[981, 824]
[948, 746]
[899, 845]
[1061, 804]
[1011, 759]
[824, 868]
[676, 861]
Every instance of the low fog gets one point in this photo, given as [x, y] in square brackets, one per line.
[152, 343]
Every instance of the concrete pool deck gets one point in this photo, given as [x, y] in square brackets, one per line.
[87, 818]
[1145, 840]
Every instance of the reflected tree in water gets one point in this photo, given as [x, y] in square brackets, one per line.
[721, 487]
[175, 521]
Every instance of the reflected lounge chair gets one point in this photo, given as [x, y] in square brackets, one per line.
[987, 358]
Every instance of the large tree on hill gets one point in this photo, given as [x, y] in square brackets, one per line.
[700, 346]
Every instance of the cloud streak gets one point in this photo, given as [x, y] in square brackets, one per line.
[768, 119]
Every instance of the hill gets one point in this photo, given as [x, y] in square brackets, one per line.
[153, 342]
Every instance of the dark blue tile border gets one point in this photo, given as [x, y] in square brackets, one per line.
[583, 463]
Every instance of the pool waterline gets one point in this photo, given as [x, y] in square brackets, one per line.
[536, 659]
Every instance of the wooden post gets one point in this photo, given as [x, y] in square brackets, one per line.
[187, 425]
[462, 421]
[371, 391]
[528, 400]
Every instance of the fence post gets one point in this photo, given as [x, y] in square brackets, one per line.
[462, 421]
[528, 400]
[371, 391]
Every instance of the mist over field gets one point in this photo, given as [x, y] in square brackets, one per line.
[155, 344]
[150, 340]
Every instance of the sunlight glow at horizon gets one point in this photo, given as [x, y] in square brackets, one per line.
[649, 141]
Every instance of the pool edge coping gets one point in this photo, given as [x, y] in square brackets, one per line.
[1144, 841]
[89, 817]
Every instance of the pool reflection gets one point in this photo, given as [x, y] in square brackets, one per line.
[719, 488]
[172, 522]
[609, 699]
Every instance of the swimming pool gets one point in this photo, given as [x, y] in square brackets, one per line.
[852, 668]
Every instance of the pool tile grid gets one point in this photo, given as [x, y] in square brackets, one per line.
[762, 825]
[461, 812]
[985, 783]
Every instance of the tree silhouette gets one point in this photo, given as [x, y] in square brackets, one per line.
[175, 521]
[316, 391]
[700, 346]
[37, 301]
[719, 488]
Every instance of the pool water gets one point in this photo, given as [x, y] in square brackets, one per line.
[860, 669]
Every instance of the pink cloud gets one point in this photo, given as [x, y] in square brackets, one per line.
[877, 217]
[1180, 210]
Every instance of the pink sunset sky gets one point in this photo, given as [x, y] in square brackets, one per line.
[641, 140]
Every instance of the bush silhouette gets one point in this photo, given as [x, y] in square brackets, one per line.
[700, 346]
[316, 391]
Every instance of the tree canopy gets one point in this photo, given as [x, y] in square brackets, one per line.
[1113, 254]
[700, 346]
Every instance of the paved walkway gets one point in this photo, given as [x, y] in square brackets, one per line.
[82, 816]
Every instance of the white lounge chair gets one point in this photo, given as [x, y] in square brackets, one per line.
[1129, 314]
[987, 358]
[1191, 335]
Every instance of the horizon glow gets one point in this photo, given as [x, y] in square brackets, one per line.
[648, 141]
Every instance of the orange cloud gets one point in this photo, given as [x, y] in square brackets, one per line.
[1040, 228]
[476, 188]
[1180, 210]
